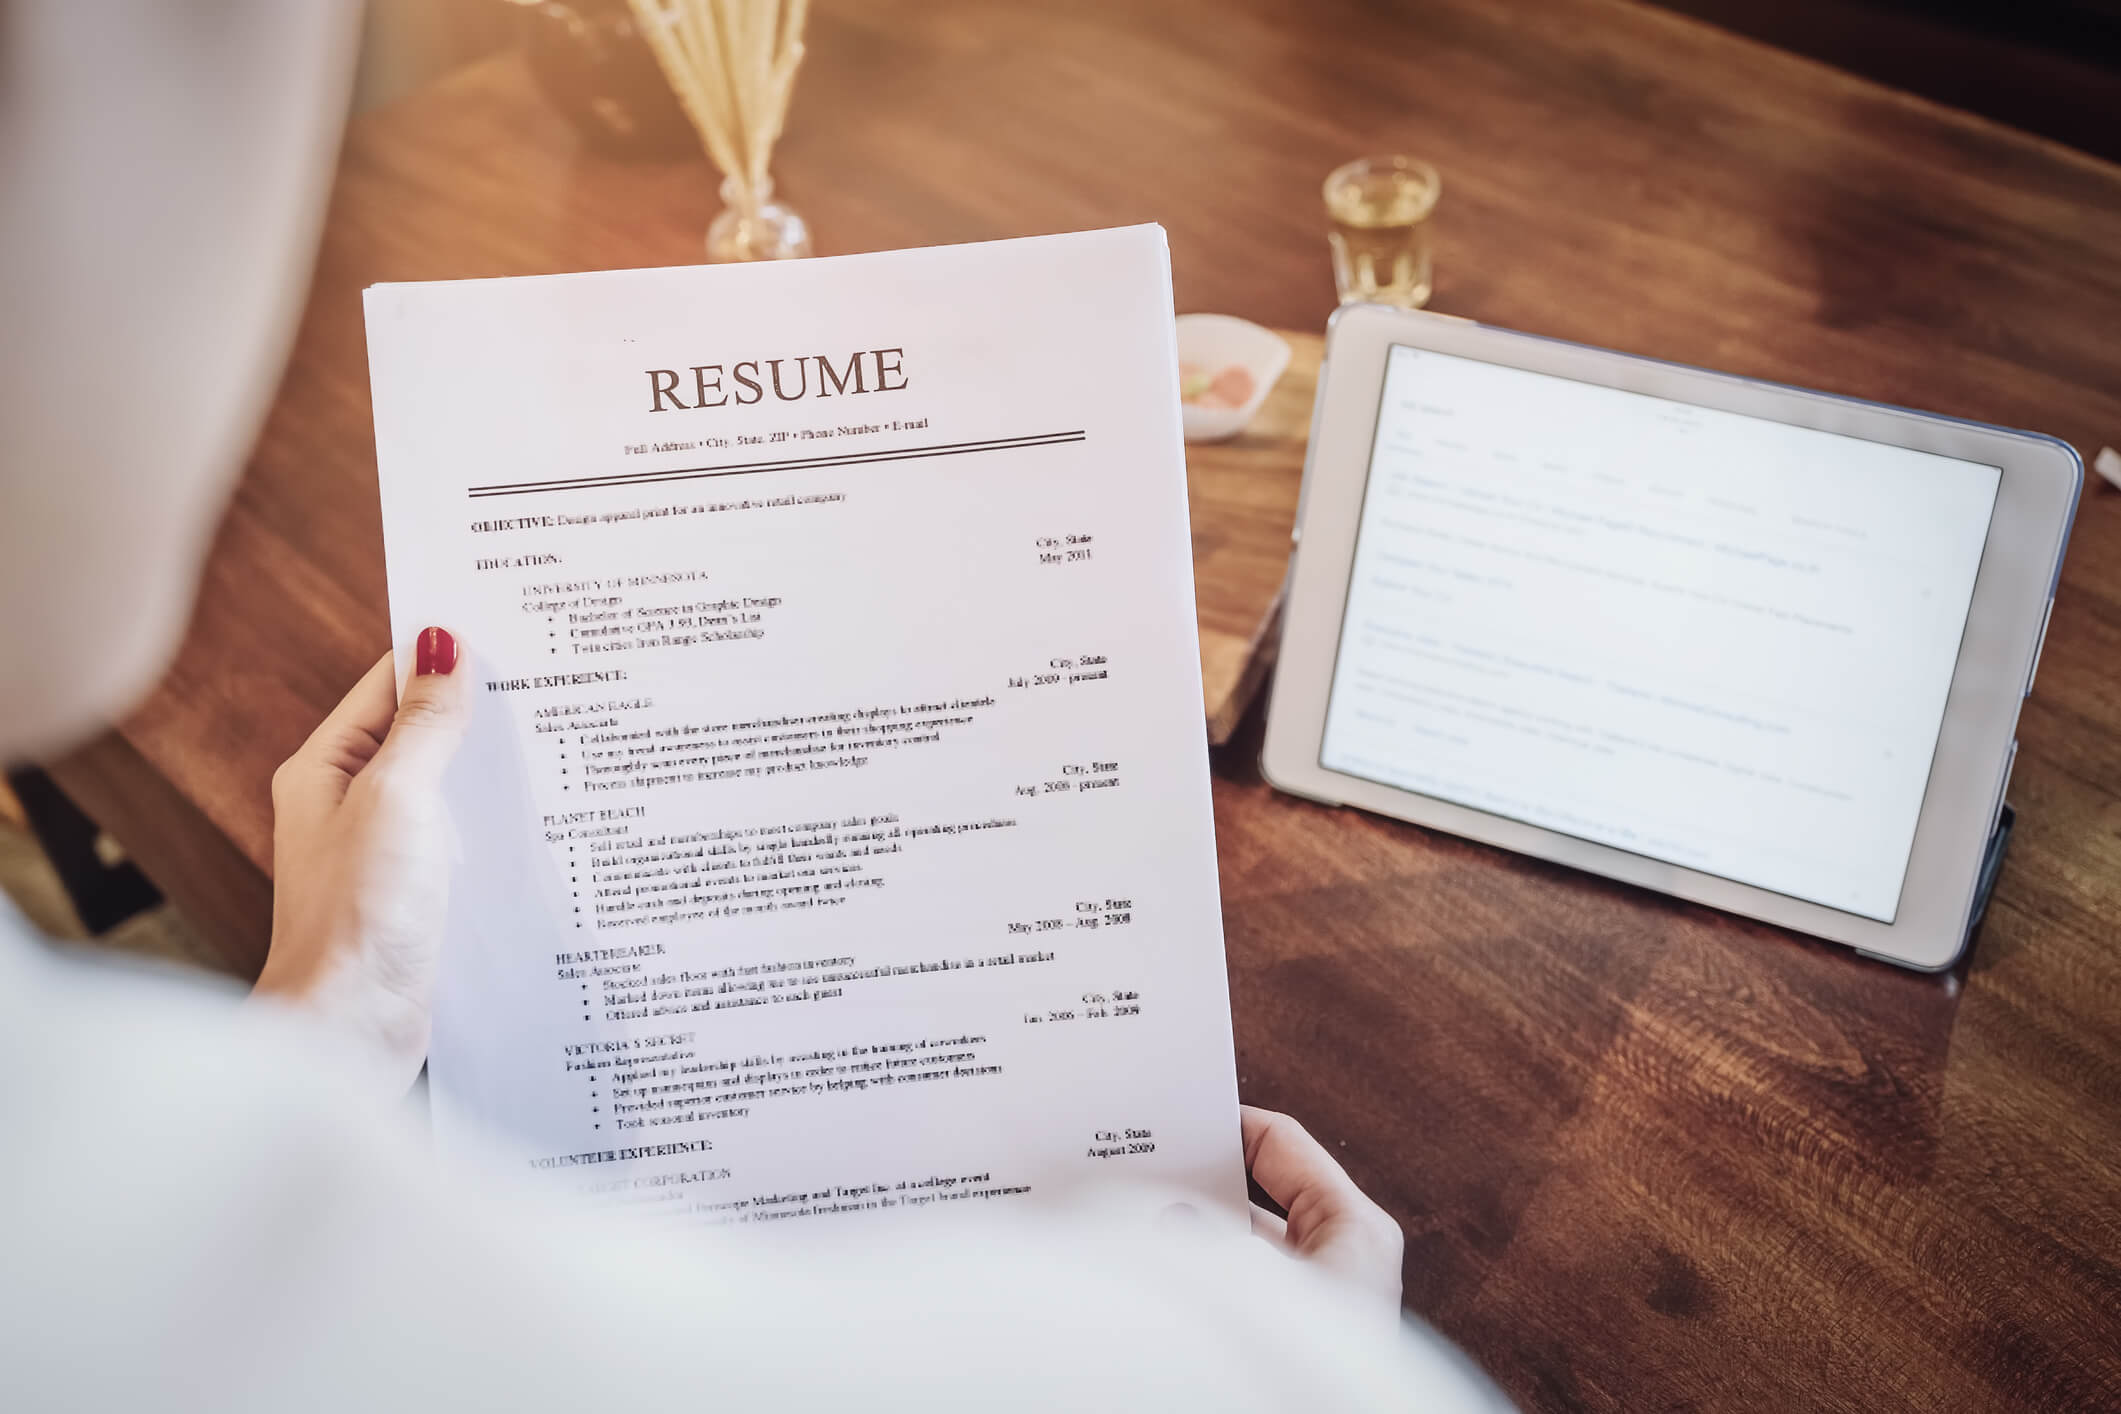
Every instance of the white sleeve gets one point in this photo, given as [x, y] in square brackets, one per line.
[199, 1215]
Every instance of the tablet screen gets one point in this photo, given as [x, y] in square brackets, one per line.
[1707, 638]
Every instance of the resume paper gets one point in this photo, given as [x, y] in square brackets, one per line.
[835, 815]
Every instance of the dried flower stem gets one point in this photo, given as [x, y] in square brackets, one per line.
[732, 64]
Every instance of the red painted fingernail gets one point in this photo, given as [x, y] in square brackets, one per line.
[436, 653]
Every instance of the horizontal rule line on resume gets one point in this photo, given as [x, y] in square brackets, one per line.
[695, 473]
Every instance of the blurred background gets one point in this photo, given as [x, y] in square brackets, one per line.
[2052, 67]
[404, 43]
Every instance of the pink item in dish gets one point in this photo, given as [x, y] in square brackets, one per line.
[1228, 387]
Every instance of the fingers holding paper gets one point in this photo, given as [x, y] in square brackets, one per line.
[1330, 1222]
[362, 848]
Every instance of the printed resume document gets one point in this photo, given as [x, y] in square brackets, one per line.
[835, 822]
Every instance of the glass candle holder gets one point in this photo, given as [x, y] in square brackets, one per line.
[1380, 208]
[753, 226]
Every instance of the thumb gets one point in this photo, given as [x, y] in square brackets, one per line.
[434, 707]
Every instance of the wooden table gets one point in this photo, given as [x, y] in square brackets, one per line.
[1647, 1157]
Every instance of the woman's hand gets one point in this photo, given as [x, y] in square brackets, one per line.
[1331, 1222]
[362, 846]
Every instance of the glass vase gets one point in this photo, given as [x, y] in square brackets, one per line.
[753, 226]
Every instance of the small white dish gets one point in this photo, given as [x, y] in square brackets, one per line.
[1213, 342]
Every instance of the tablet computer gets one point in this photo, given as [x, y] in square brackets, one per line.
[1745, 644]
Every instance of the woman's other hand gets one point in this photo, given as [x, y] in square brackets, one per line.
[1331, 1222]
[362, 849]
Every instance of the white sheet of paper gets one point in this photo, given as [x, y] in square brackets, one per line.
[835, 817]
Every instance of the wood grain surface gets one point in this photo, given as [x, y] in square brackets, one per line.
[1243, 494]
[1647, 1157]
